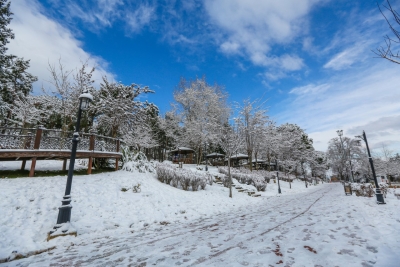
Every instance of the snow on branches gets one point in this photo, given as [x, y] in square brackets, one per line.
[202, 109]
[136, 161]
[117, 108]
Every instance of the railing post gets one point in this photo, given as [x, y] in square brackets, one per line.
[92, 140]
[116, 159]
[36, 146]
[26, 146]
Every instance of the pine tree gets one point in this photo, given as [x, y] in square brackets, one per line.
[15, 81]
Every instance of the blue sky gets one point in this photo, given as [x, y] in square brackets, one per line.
[311, 59]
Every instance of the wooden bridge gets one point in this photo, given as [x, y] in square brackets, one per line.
[43, 144]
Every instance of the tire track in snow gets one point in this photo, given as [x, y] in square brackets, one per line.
[267, 231]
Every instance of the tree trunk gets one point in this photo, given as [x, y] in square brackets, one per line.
[290, 183]
[255, 155]
[304, 175]
[249, 153]
[199, 156]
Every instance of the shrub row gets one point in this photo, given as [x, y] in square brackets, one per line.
[259, 182]
[183, 178]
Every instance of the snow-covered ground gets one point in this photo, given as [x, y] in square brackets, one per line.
[349, 230]
[41, 165]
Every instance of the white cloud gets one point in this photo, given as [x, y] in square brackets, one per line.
[139, 18]
[230, 47]
[252, 27]
[353, 101]
[291, 63]
[309, 89]
[45, 41]
[345, 58]
[99, 14]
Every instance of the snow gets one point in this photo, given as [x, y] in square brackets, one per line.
[41, 165]
[86, 95]
[239, 155]
[343, 230]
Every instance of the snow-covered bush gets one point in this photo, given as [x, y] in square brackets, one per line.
[363, 190]
[249, 178]
[259, 183]
[384, 188]
[184, 178]
[136, 161]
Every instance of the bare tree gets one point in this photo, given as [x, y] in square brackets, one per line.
[67, 86]
[253, 118]
[230, 140]
[386, 51]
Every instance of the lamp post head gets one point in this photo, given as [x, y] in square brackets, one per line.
[358, 142]
[340, 132]
[85, 99]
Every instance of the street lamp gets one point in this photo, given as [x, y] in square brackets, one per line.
[277, 176]
[64, 212]
[340, 133]
[205, 152]
[351, 167]
[379, 196]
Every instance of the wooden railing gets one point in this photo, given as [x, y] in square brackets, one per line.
[52, 139]
[40, 140]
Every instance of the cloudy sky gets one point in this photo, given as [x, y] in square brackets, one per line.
[312, 59]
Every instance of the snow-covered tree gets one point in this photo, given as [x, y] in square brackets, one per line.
[67, 86]
[15, 81]
[117, 108]
[144, 135]
[318, 164]
[342, 154]
[295, 148]
[170, 131]
[203, 110]
[253, 119]
[269, 144]
[25, 112]
[230, 139]
[385, 163]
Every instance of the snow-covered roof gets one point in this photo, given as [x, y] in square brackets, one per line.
[215, 155]
[258, 160]
[240, 156]
[181, 149]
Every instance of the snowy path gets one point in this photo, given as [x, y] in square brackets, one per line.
[310, 229]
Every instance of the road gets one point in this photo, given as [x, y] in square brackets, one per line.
[309, 229]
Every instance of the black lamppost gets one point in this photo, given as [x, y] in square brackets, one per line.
[351, 167]
[340, 133]
[277, 176]
[64, 212]
[379, 196]
[205, 152]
